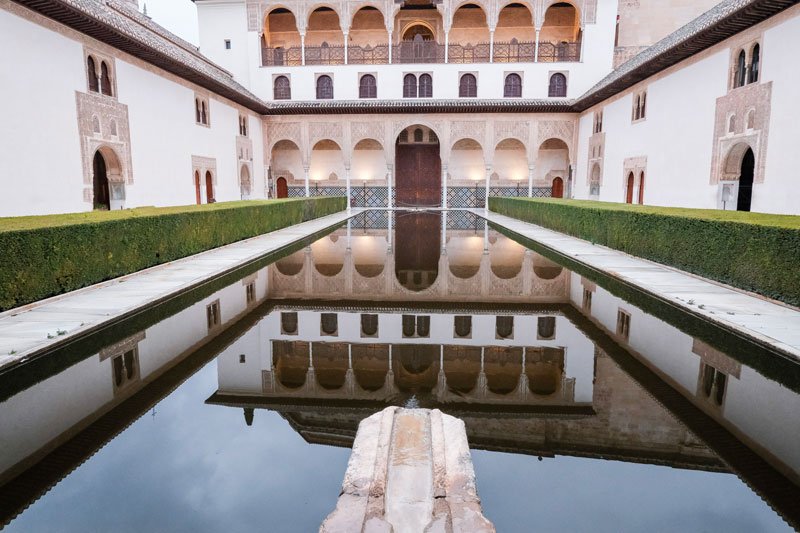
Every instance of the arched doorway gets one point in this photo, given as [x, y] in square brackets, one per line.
[281, 188]
[417, 238]
[641, 188]
[629, 189]
[245, 185]
[102, 198]
[557, 190]
[418, 167]
[209, 187]
[198, 198]
[746, 181]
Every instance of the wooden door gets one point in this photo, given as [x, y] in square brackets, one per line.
[282, 190]
[641, 189]
[417, 249]
[197, 196]
[418, 175]
[209, 188]
[558, 188]
[629, 189]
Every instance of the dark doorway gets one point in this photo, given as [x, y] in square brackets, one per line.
[281, 188]
[558, 188]
[629, 189]
[641, 189]
[417, 249]
[197, 197]
[100, 181]
[209, 188]
[418, 167]
[746, 181]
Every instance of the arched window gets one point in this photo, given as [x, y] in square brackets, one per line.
[425, 86]
[423, 326]
[505, 326]
[409, 86]
[368, 88]
[324, 88]
[91, 71]
[513, 86]
[732, 124]
[637, 112]
[463, 326]
[643, 112]
[203, 113]
[755, 63]
[468, 86]
[641, 188]
[105, 79]
[558, 85]
[329, 323]
[546, 327]
[409, 325]
[289, 323]
[369, 325]
[403, 138]
[418, 135]
[281, 89]
[741, 70]
[113, 128]
[197, 114]
[751, 119]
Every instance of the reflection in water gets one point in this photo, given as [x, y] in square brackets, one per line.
[528, 354]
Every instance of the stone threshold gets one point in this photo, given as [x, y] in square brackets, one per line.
[765, 321]
[32, 329]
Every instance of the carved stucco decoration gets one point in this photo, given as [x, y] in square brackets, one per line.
[519, 130]
[201, 165]
[367, 130]
[318, 131]
[284, 131]
[556, 129]
[475, 129]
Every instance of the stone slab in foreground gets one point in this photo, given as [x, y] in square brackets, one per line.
[410, 472]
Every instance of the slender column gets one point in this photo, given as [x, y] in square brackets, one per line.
[446, 46]
[444, 232]
[349, 233]
[583, 31]
[536, 53]
[485, 238]
[308, 188]
[345, 48]
[303, 49]
[389, 184]
[491, 46]
[390, 46]
[531, 169]
[350, 357]
[488, 178]
[444, 186]
[347, 180]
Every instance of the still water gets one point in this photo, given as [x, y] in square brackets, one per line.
[588, 406]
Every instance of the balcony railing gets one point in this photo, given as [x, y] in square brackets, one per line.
[423, 52]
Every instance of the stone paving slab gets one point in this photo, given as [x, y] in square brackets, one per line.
[759, 318]
[38, 326]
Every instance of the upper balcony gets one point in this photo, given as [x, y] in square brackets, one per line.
[424, 34]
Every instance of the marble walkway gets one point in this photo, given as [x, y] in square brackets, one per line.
[755, 317]
[28, 330]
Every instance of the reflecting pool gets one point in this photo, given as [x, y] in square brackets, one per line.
[588, 405]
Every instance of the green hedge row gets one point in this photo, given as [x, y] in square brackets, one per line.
[49, 255]
[752, 251]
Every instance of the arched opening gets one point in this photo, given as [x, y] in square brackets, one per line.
[468, 86]
[418, 42]
[368, 87]
[513, 36]
[513, 86]
[282, 88]
[210, 187]
[417, 366]
[286, 165]
[503, 368]
[91, 72]
[417, 240]
[545, 269]
[368, 165]
[746, 181]
[328, 255]
[505, 257]
[290, 362]
[425, 86]
[369, 254]
[467, 163]
[289, 323]
[462, 366]
[324, 87]
[423, 31]
[102, 197]
[740, 76]
[281, 188]
[418, 169]
[557, 188]
[330, 364]
[755, 64]
[326, 163]
[291, 265]
[545, 327]
[560, 36]
[197, 194]
[409, 86]
[641, 188]
[367, 41]
[105, 80]
[511, 161]
[558, 86]
[544, 368]
[464, 254]
[245, 184]
[280, 44]
[629, 188]
[324, 38]
[469, 36]
[370, 365]
[552, 162]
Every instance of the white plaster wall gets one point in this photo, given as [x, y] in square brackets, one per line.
[219, 20]
[40, 152]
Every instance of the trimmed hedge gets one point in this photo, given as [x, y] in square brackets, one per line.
[752, 251]
[49, 255]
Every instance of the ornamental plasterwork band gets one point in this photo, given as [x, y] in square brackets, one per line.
[301, 9]
[202, 165]
[558, 129]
